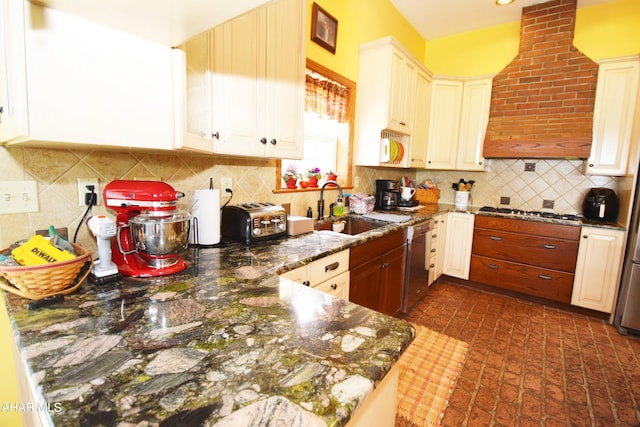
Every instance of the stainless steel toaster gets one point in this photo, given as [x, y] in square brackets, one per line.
[253, 222]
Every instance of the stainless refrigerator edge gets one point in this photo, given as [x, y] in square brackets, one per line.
[627, 314]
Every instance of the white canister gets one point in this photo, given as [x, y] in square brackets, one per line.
[462, 200]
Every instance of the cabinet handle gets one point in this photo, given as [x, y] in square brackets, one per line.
[584, 236]
[544, 277]
[433, 250]
[496, 238]
[434, 236]
[331, 266]
[384, 265]
[216, 135]
[273, 141]
[431, 266]
[306, 283]
[334, 286]
[548, 246]
[492, 266]
[590, 165]
[403, 124]
[263, 141]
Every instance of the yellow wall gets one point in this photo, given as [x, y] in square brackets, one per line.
[360, 21]
[604, 31]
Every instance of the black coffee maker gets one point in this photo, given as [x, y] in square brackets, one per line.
[387, 194]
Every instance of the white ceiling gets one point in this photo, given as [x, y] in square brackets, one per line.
[440, 18]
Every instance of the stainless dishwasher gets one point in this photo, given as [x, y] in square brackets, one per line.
[416, 280]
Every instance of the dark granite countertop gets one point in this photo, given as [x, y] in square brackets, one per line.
[225, 341]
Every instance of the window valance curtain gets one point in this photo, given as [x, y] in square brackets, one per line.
[325, 97]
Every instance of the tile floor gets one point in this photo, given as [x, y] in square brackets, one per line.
[533, 365]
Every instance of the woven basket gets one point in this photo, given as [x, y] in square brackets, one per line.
[427, 195]
[45, 280]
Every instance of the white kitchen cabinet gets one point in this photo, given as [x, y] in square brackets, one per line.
[329, 274]
[598, 268]
[166, 22]
[85, 84]
[458, 123]
[258, 82]
[13, 96]
[614, 112]
[459, 240]
[420, 120]
[389, 101]
[439, 237]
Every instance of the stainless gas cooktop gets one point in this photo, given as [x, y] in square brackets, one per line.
[519, 213]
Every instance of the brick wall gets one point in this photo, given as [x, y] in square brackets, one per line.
[543, 100]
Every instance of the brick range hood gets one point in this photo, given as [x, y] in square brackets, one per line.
[542, 102]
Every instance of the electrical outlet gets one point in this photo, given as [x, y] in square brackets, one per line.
[547, 204]
[529, 167]
[82, 190]
[225, 183]
[504, 200]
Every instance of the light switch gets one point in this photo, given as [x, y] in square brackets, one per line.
[18, 197]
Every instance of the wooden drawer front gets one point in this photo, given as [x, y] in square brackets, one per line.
[337, 286]
[328, 267]
[558, 231]
[363, 253]
[546, 252]
[539, 282]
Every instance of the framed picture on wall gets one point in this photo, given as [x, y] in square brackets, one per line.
[324, 28]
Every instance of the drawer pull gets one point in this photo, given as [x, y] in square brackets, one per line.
[549, 246]
[384, 265]
[331, 266]
[544, 277]
[493, 266]
[496, 238]
[434, 236]
[334, 286]
[306, 283]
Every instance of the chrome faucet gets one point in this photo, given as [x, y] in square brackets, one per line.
[321, 201]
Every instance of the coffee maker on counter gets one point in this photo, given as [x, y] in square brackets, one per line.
[387, 194]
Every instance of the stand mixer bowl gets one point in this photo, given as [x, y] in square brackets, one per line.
[160, 236]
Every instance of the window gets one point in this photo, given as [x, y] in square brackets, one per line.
[327, 142]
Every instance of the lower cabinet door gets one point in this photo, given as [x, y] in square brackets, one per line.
[337, 286]
[364, 286]
[392, 280]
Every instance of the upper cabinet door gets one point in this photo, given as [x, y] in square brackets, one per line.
[420, 120]
[458, 123]
[258, 83]
[476, 99]
[88, 84]
[614, 112]
[444, 124]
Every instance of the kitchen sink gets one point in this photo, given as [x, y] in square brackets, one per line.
[352, 225]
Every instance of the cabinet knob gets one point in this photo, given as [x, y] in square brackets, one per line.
[273, 141]
[429, 161]
[584, 236]
[590, 165]
[334, 286]
[263, 141]
[216, 135]
[306, 283]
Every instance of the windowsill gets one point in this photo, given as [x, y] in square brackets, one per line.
[305, 190]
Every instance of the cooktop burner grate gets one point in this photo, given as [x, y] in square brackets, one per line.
[530, 214]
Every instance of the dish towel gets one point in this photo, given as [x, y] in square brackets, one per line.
[387, 217]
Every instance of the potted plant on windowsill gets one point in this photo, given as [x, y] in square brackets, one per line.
[291, 177]
[314, 176]
[332, 176]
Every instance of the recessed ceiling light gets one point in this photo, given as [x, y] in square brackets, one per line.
[503, 2]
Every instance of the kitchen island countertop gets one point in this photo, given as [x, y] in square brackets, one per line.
[225, 341]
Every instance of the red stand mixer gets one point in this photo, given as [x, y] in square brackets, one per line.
[150, 229]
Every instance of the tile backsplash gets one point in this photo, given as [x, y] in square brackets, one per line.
[57, 170]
